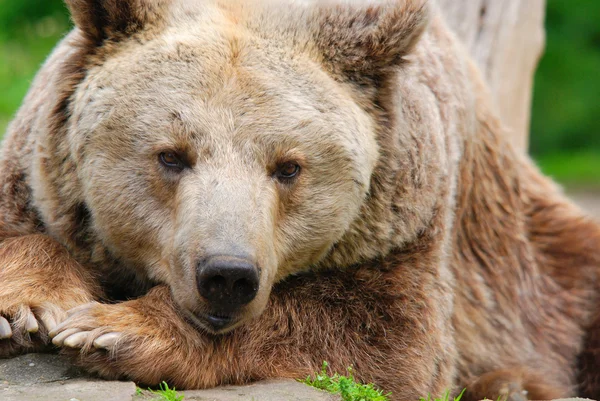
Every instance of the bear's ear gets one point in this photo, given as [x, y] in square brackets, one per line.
[366, 39]
[102, 19]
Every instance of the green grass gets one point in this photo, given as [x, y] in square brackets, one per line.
[164, 393]
[350, 390]
[346, 386]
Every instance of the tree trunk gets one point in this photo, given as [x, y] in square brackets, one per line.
[506, 38]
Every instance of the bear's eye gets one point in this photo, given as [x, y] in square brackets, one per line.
[287, 171]
[171, 160]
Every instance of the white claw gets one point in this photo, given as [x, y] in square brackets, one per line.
[77, 340]
[48, 321]
[5, 330]
[50, 315]
[31, 324]
[107, 341]
[60, 337]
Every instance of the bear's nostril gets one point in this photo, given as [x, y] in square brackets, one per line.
[244, 289]
[227, 283]
[215, 285]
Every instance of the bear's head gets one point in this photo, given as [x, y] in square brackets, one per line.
[222, 146]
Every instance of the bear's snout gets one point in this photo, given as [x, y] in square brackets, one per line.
[227, 282]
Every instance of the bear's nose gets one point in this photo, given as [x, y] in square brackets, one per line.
[226, 282]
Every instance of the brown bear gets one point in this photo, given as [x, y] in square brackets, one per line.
[219, 191]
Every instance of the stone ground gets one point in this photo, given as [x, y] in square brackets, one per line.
[40, 377]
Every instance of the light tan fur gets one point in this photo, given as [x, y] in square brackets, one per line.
[415, 244]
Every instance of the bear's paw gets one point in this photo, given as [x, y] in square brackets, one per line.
[24, 328]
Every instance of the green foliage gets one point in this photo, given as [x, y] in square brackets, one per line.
[167, 394]
[17, 14]
[29, 29]
[566, 107]
[346, 386]
[565, 126]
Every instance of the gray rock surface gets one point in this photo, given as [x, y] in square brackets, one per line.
[71, 390]
[36, 369]
[272, 390]
[39, 377]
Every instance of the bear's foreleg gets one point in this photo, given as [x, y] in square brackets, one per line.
[38, 281]
[146, 340]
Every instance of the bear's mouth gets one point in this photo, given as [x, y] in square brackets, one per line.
[219, 322]
[215, 323]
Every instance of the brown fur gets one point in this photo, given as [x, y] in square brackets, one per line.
[416, 244]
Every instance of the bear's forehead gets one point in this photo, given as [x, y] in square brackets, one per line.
[218, 77]
[211, 61]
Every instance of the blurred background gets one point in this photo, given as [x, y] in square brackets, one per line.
[565, 129]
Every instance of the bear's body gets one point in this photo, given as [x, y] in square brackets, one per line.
[348, 153]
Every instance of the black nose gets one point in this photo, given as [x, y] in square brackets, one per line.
[227, 282]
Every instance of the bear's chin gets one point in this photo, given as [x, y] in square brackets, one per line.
[214, 323]
[218, 322]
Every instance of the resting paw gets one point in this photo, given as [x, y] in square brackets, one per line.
[132, 340]
[24, 328]
[102, 338]
[89, 327]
